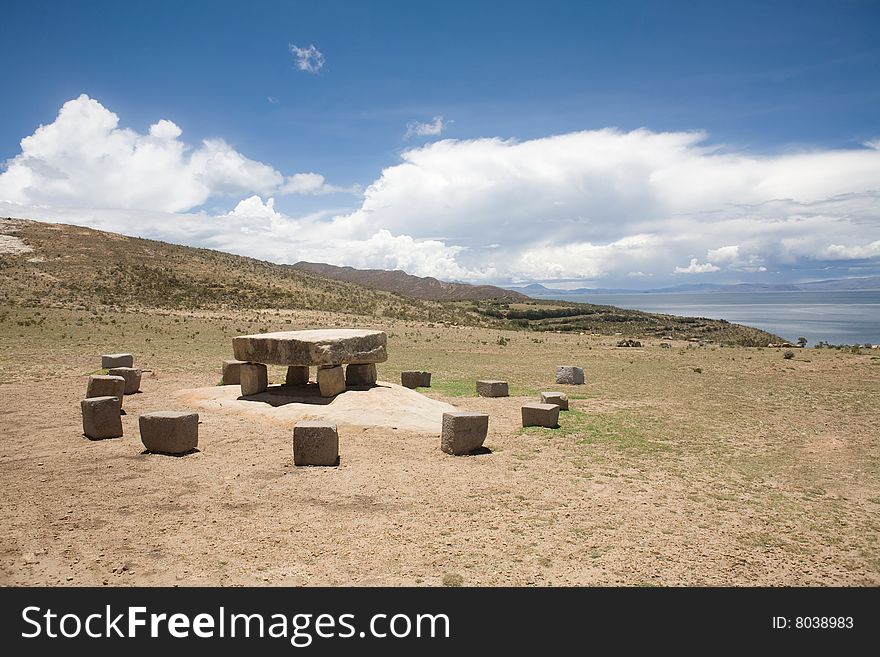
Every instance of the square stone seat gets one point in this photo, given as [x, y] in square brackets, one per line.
[103, 385]
[116, 360]
[315, 443]
[101, 418]
[570, 375]
[492, 388]
[169, 432]
[296, 375]
[463, 432]
[132, 377]
[540, 415]
[324, 347]
[331, 380]
[558, 398]
[361, 375]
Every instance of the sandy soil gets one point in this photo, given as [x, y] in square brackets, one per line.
[753, 471]
[396, 510]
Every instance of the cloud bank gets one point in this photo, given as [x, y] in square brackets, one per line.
[599, 205]
[603, 203]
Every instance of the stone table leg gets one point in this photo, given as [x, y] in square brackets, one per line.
[254, 379]
[297, 376]
[331, 380]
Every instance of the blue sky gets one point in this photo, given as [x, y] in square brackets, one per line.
[764, 82]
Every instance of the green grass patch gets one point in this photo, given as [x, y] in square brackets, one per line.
[624, 430]
[453, 388]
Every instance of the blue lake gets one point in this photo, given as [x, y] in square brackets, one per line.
[835, 317]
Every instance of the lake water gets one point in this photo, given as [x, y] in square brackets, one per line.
[835, 317]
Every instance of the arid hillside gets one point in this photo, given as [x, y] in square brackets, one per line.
[56, 265]
[406, 285]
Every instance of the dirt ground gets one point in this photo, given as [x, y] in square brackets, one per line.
[690, 465]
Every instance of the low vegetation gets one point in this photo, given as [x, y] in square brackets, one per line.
[83, 269]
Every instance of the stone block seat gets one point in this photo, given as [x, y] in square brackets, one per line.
[315, 443]
[540, 415]
[116, 360]
[101, 417]
[169, 432]
[326, 349]
[254, 378]
[104, 385]
[132, 377]
[569, 375]
[415, 379]
[331, 380]
[463, 432]
[296, 375]
[491, 388]
[558, 398]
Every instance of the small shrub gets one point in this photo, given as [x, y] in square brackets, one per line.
[788, 354]
[452, 579]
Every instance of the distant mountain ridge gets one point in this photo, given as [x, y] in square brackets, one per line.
[831, 285]
[406, 285]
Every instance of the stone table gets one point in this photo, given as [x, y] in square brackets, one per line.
[326, 349]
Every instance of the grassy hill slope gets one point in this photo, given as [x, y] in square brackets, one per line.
[78, 268]
[406, 285]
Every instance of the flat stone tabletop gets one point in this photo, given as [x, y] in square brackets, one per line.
[315, 347]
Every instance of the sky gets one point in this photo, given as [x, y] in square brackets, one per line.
[600, 144]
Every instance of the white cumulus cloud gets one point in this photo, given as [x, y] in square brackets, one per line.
[85, 159]
[308, 59]
[724, 254]
[696, 267]
[253, 207]
[602, 203]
